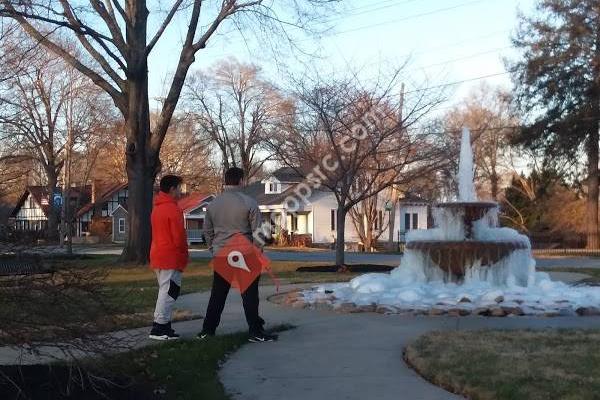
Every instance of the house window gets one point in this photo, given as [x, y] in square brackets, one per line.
[85, 226]
[294, 223]
[379, 220]
[415, 221]
[121, 225]
[333, 219]
[406, 221]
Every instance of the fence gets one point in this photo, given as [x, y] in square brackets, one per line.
[566, 252]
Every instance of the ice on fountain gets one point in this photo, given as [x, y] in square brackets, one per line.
[466, 186]
[420, 284]
[407, 288]
[486, 230]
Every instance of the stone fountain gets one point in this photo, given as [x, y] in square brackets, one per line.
[467, 234]
[465, 265]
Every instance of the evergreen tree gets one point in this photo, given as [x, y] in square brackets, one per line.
[557, 81]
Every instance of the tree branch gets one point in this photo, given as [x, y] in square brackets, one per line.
[112, 25]
[117, 96]
[106, 67]
[163, 26]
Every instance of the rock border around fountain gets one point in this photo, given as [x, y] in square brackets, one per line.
[498, 307]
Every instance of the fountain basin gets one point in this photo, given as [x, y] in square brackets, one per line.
[470, 212]
[455, 257]
[474, 210]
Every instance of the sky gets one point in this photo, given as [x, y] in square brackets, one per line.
[442, 42]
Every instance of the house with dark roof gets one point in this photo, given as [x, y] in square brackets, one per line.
[101, 211]
[32, 209]
[315, 215]
[96, 217]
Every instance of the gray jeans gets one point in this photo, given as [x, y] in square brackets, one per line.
[169, 285]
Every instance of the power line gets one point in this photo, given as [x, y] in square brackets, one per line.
[407, 18]
[379, 8]
[441, 86]
[410, 17]
[468, 57]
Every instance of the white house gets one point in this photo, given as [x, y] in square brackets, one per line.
[413, 214]
[317, 215]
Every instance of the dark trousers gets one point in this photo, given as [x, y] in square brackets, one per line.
[218, 296]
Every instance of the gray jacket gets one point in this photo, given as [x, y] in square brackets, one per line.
[229, 213]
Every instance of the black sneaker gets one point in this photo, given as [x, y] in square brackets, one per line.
[162, 332]
[262, 337]
[205, 335]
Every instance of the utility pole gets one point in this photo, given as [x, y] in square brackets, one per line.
[394, 189]
[66, 217]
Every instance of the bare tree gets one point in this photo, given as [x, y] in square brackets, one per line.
[370, 221]
[186, 154]
[355, 142]
[236, 107]
[46, 109]
[114, 35]
[105, 148]
[487, 113]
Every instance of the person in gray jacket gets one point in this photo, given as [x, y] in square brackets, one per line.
[230, 213]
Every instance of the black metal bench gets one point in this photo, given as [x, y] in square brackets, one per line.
[15, 267]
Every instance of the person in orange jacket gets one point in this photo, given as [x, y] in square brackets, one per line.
[168, 254]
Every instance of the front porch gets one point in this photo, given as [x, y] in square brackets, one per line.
[194, 225]
[295, 224]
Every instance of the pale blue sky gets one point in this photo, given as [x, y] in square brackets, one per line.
[446, 40]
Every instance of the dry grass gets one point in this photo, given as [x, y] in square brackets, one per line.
[502, 365]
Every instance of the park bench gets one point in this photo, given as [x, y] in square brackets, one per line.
[14, 268]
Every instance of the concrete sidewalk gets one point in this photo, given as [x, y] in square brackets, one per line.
[346, 356]
[331, 356]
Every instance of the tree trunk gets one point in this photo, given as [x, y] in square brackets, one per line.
[142, 168]
[494, 179]
[340, 240]
[593, 191]
[139, 203]
[142, 160]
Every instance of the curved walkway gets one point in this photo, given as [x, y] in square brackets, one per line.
[342, 356]
[328, 355]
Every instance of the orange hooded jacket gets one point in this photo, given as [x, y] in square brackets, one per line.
[169, 249]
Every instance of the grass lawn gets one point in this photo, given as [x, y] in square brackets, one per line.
[176, 370]
[133, 289]
[503, 365]
[94, 294]
[181, 370]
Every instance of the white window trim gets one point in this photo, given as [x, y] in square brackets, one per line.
[119, 224]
